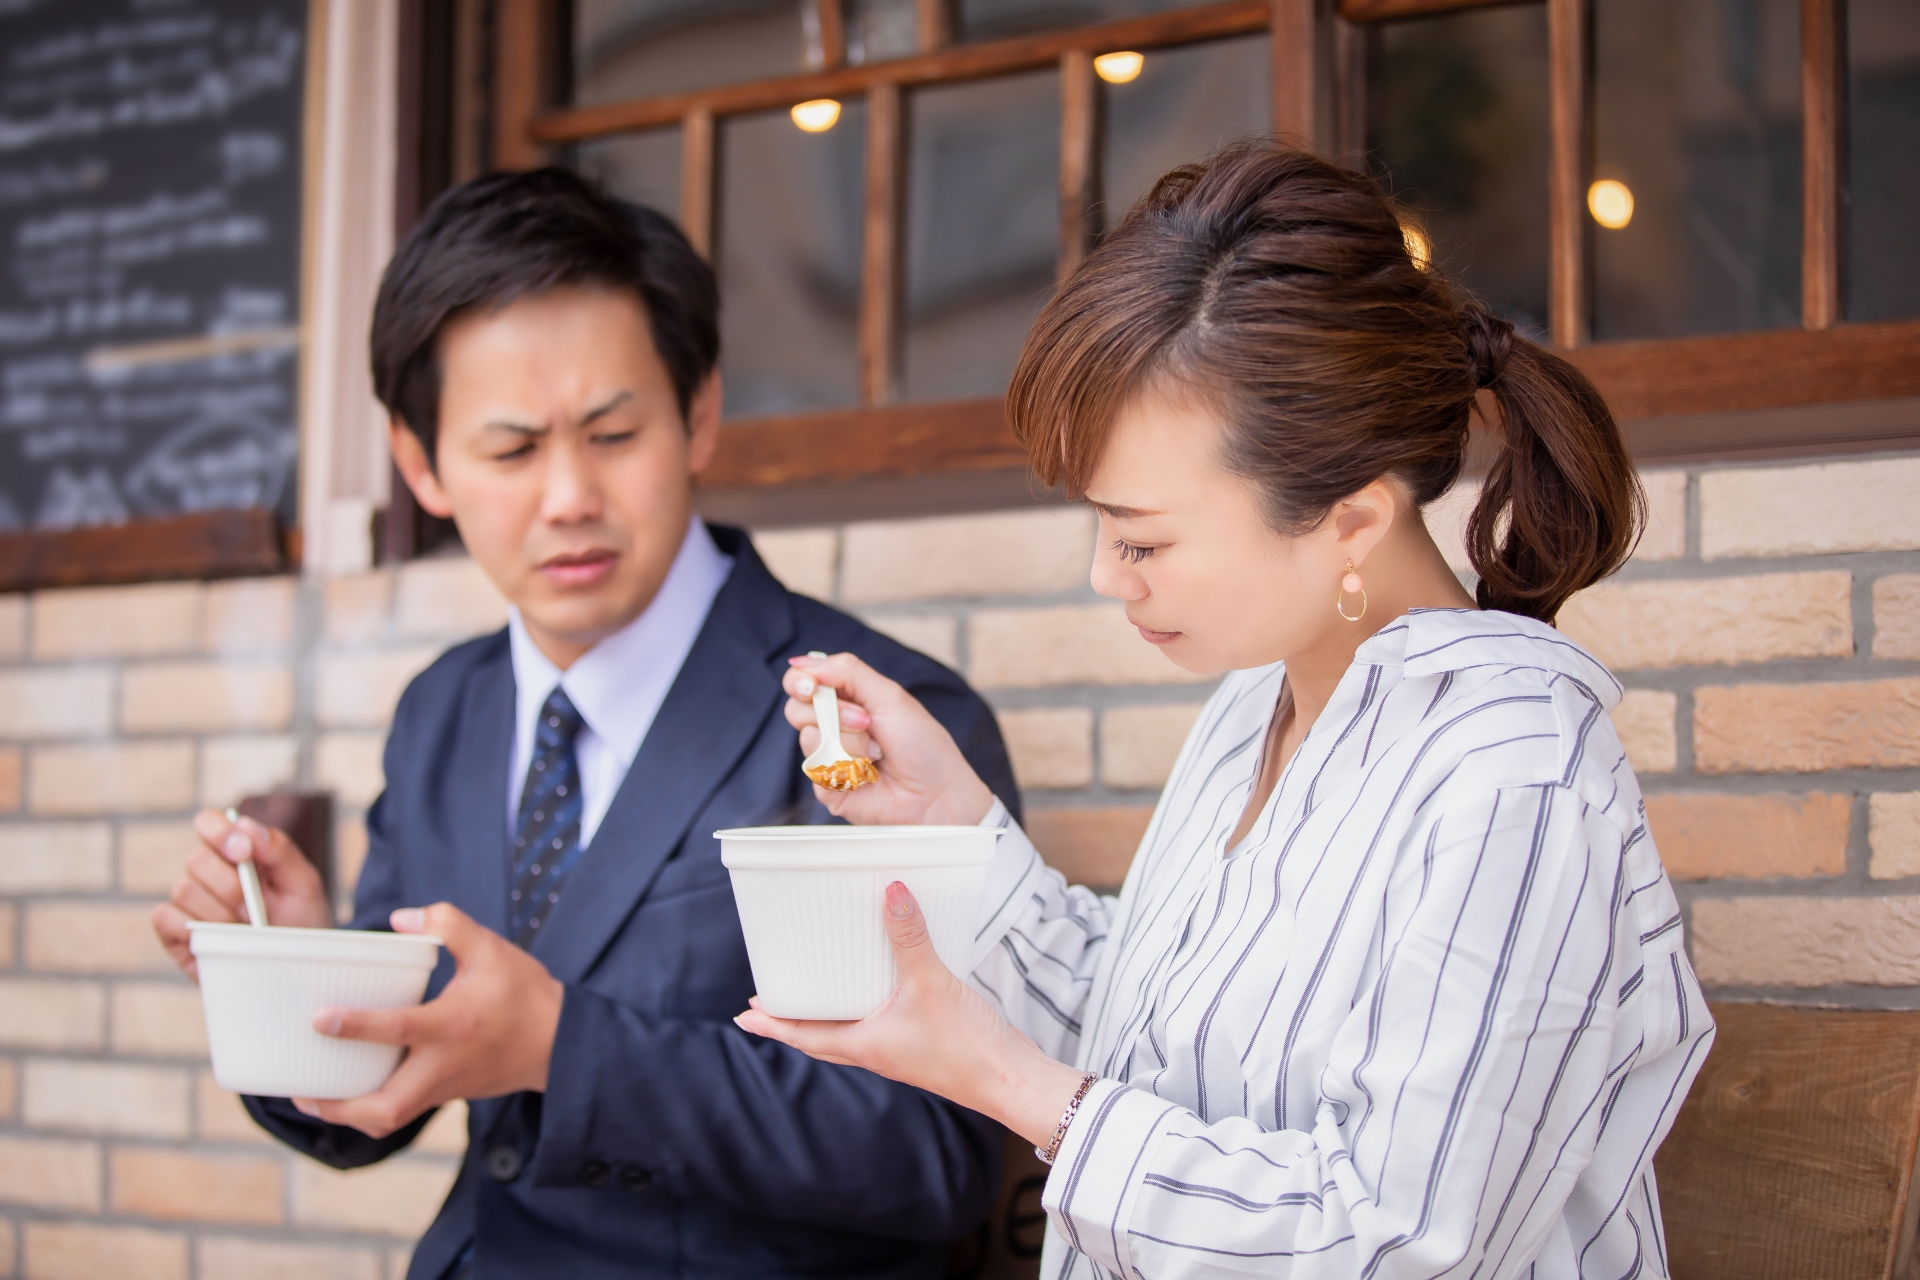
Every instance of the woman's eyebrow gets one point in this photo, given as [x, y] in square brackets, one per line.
[1119, 512]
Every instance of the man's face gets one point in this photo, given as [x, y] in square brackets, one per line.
[564, 460]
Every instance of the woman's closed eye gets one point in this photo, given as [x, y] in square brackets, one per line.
[1131, 552]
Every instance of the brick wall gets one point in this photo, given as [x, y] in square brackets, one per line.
[1768, 630]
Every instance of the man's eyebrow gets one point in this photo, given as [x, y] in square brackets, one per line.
[517, 428]
[601, 411]
[1119, 512]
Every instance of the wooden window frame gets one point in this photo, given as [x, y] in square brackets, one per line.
[1720, 397]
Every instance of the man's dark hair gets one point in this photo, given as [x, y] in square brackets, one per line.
[507, 236]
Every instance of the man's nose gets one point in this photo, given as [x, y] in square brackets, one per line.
[572, 491]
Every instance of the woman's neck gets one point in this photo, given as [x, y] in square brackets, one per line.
[1405, 572]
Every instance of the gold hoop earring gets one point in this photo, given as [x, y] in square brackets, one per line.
[1350, 585]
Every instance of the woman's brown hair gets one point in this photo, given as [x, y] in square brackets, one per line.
[1280, 287]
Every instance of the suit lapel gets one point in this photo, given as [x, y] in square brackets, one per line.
[718, 705]
[476, 780]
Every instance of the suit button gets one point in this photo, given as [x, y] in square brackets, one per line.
[503, 1164]
[632, 1179]
[594, 1174]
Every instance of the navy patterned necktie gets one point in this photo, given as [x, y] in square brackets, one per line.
[546, 837]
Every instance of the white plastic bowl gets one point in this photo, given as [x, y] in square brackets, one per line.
[261, 987]
[811, 901]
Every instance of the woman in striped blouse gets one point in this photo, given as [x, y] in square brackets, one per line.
[1395, 986]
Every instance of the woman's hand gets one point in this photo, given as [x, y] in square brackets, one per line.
[937, 1033]
[924, 779]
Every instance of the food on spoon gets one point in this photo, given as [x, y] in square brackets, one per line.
[831, 765]
[844, 775]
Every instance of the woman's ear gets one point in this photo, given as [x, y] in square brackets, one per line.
[410, 456]
[1363, 519]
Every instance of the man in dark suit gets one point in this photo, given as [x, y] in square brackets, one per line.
[548, 356]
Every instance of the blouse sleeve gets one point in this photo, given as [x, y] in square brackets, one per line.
[1039, 942]
[1519, 1000]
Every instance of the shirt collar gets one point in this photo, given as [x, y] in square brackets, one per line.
[1430, 641]
[619, 684]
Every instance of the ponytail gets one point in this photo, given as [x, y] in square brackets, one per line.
[1283, 283]
[1562, 485]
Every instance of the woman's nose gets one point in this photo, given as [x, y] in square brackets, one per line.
[1116, 581]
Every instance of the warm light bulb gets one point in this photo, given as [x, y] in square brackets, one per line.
[817, 116]
[1418, 247]
[1610, 203]
[1118, 68]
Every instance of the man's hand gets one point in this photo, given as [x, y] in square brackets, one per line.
[490, 1032]
[210, 887]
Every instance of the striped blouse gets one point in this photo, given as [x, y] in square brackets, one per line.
[1430, 1017]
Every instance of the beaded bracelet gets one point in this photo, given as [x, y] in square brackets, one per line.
[1052, 1149]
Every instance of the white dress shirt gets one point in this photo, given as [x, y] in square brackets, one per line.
[1430, 1018]
[619, 684]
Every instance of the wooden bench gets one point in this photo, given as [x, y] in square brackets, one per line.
[1793, 1156]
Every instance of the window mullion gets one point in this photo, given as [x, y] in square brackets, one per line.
[1823, 105]
[1569, 32]
[697, 170]
[880, 283]
[1079, 158]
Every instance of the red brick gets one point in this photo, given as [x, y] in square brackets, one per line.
[96, 1251]
[1714, 837]
[1090, 846]
[11, 789]
[1807, 942]
[190, 1187]
[1807, 728]
[50, 1173]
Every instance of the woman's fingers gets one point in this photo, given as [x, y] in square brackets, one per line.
[856, 682]
[907, 931]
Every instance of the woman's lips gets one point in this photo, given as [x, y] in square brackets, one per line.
[1156, 637]
[584, 569]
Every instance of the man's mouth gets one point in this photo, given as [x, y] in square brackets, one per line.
[578, 568]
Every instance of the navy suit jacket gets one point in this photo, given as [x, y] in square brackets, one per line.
[669, 1142]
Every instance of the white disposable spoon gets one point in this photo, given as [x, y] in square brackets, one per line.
[250, 884]
[830, 765]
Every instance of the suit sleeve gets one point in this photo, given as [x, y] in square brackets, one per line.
[375, 896]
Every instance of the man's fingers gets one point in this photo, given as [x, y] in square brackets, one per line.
[170, 926]
[381, 1026]
[393, 1105]
[196, 902]
[454, 927]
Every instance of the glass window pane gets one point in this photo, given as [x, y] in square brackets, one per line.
[1883, 159]
[998, 19]
[1697, 113]
[644, 48]
[1185, 103]
[642, 167]
[983, 229]
[1457, 125]
[789, 262]
[881, 29]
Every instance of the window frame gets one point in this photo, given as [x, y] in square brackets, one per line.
[1709, 398]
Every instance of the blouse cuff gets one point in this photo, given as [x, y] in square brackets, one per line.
[1095, 1181]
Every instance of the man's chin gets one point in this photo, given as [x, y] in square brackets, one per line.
[579, 619]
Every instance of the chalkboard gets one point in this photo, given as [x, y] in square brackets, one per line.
[150, 198]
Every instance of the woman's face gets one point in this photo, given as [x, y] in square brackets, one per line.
[1184, 545]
